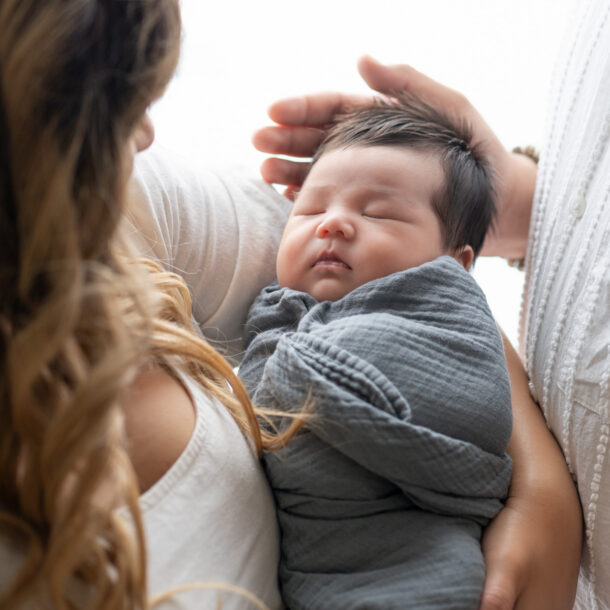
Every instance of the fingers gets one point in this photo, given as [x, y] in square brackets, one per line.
[382, 78]
[301, 128]
[507, 558]
[389, 79]
[290, 192]
[315, 110]
[293, 141]
[498, 595]
[282, 171]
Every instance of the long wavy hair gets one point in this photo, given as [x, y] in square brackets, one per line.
[78, 319]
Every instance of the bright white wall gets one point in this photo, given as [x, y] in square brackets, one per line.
[240, 55]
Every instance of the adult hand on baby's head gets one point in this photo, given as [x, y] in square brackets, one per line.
[302, 121]
[515, 174]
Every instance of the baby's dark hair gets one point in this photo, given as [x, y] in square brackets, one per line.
[465, 205]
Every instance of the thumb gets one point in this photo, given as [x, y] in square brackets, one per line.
[382, 78]
[500, 592]
[399, 78]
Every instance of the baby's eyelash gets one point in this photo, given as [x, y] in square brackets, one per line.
[310, 213]
[376, 216]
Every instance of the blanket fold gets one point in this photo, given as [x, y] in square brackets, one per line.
[410, 404]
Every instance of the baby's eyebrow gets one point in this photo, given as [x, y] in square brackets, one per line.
[389, 193]
[394, 193]
[380, 190]
[321, 189]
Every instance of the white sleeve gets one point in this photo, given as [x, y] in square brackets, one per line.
[221, 233]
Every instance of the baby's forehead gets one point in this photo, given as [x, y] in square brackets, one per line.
[377, 153]
[380, 164]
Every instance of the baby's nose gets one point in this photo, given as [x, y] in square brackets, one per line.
[336, 225]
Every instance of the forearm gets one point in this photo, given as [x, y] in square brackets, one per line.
[533, 547]
[517, 182]
[538, 464]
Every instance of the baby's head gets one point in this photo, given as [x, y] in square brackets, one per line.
[391, 187]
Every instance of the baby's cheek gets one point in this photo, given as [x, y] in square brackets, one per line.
[292, 253]
[280, 269]
[287, 267]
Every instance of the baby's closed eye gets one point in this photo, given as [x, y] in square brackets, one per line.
[305, 207]
[384, 211]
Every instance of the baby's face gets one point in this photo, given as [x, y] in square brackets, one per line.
[363, 213]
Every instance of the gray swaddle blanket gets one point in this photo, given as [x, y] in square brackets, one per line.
[382, 499]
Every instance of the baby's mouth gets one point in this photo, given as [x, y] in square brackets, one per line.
[330, 260]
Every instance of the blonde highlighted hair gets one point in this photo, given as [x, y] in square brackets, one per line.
[78, 319]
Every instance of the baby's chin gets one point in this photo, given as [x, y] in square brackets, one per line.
[329, 290]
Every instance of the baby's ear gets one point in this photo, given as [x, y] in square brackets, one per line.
[465, 256]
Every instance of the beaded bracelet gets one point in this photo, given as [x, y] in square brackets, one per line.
[528, 151]
[534, 155]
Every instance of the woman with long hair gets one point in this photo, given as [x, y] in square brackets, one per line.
[107, 390]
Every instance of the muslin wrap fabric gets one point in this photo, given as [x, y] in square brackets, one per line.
[382, 499]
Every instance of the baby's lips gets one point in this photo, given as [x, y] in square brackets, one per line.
[331, 257]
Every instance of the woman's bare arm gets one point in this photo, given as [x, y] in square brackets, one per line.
[532, 548]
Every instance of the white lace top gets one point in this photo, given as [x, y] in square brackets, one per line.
[566, 309]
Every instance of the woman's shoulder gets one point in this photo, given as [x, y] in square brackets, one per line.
[159, 423]
[208, 513]
[214, 504]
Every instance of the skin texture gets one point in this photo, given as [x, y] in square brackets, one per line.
[532, 548]
[363, 213]
[157, 435]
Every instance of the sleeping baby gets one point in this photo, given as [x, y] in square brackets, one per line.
[376, 326]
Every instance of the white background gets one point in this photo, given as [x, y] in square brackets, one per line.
[240, 55]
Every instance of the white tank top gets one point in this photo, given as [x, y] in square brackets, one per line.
[209, 519]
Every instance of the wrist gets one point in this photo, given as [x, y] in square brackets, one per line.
[547, 493]
[518, 213]
[517, 181]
